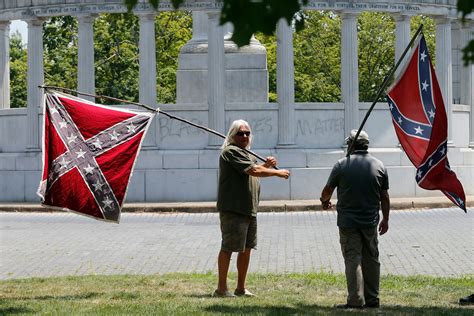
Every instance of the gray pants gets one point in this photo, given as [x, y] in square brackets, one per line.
[361, 257]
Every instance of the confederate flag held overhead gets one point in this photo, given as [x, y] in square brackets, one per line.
[419, 119]
[89, 152]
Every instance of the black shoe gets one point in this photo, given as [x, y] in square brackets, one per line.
[468, 300]
[347, 306]
[373, 305]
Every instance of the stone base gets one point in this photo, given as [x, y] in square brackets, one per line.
[192, 175]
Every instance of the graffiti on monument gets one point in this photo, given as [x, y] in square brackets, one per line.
[169, 128]
[319, 127]
[259, 125]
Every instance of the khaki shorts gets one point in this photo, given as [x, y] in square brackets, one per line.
[239, 232]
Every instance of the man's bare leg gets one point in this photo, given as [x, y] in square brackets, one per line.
[243, 260]
[223, 262]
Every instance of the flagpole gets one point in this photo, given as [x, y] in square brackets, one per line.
[150, 109]
[383, 86]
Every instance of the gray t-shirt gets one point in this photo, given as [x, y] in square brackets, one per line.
[238, 192]
[359, 179]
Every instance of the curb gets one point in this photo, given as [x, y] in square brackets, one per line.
[265, 206]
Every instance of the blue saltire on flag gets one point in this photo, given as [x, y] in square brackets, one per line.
[419, 119]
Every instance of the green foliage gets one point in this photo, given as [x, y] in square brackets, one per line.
[317, 57]
[60, 51]
[269, 41]
[116, 56]
[429, 30]
[376, 34]
[18, 70]
[466, 7]
[249, 16]
[316, 54]
[173, 30]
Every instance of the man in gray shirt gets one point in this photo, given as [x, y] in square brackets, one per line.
[362, 188]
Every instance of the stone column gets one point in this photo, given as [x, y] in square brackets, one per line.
[85, 62]
[403, 37]
[467, 78]
[349, 72]
[35, 77]
[4, 64]
[147, 56]
[285, 85]
[216, 78]
[444, 67]
[200, 26]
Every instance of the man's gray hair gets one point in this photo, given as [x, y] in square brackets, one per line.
[233, 129]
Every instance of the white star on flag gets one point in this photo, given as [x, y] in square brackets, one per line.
[54, 110]
[443, 151]
[71, 139]
[107, 203]
[419, 130]
[80, 153]
[62, 124]
[114, 135]
[131, 128]
[97, 144]
[418, 174]
[64, 163]
[423, 56]
[431, 113]
[425, 86]
[97, 186]
[89, 169]
[400, 120]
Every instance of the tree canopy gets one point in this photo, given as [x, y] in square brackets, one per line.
[251, 16]
[316, 54]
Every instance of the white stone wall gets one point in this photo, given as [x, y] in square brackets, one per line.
[180, 163]
[183, 169]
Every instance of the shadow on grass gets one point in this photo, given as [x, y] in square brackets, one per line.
[83, 296]
[15, 310]
[325, 310]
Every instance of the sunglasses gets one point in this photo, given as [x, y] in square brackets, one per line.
[239, 133]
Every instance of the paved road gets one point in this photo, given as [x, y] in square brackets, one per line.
[428, 242]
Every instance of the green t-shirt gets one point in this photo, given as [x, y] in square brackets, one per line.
[238, 192]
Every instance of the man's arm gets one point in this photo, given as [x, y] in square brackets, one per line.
[261, 171]
[385, 205]
[267, 170]
[326, 197]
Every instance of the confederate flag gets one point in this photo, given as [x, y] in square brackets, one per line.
[89, 152]
[419, 118]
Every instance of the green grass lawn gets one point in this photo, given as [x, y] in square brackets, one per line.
[184, 294]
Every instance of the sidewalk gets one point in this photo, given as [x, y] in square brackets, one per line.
[265, 206]
[419, 242]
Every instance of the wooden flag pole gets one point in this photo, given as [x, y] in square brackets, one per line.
[150, 109]
[383, 86]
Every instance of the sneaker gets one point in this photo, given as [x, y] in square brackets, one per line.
[347, 306]
[468, 300]
[245, 293]
[220, 294]
[372, 305]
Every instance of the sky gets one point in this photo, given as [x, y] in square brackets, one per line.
[20, 26]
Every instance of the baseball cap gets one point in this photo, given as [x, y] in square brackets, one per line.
[363, 137]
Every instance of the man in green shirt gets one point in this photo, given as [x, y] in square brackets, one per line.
[237, 202]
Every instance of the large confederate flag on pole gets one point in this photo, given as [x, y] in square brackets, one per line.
[89, 152]
[419, 119]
